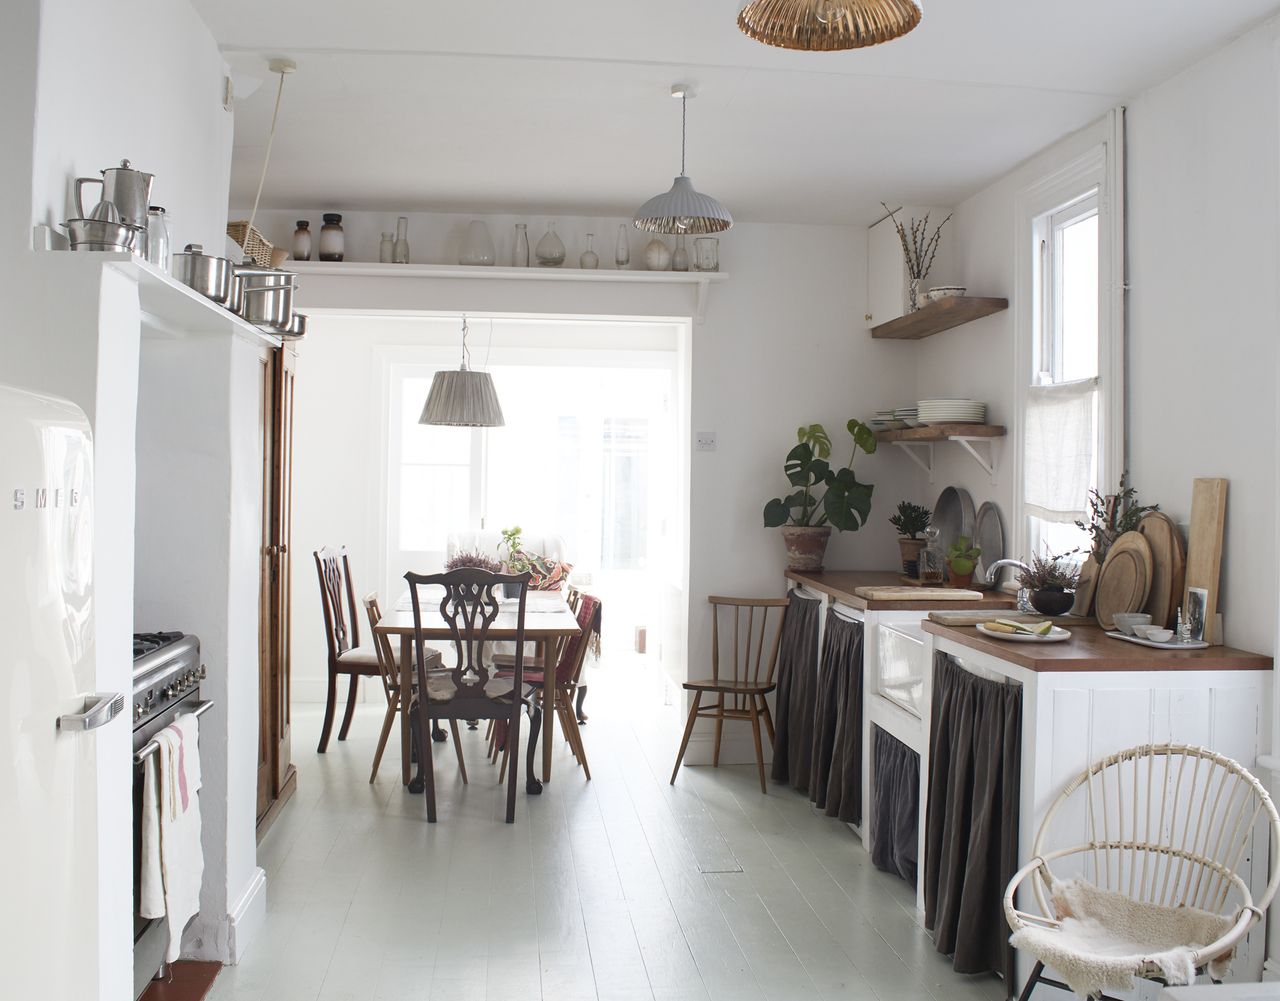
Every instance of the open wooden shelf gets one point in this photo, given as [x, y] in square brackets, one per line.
[918, 443]
[942, 432]
[939, 316]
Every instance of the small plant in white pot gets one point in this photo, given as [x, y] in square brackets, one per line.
[824, 497]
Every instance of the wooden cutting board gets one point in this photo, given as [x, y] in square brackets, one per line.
[1169, 567]
[1086, 587]
[890, 593]
[1125, 580]
[1204, 547]
[973, 618]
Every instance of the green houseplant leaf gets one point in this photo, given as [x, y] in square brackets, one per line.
[847, 503]
[823, 495]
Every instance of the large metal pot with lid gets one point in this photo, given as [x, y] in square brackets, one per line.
[210, 276]
[264, 296]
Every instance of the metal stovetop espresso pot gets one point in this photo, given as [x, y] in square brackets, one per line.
[127, 189]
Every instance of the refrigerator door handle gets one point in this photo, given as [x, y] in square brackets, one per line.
[98, 709]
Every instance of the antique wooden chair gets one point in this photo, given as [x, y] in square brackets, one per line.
[470, 688]
[1145, 848]
[389, 669]
[342, 636]
[741, 689]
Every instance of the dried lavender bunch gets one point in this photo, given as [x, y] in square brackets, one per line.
[1051, 571]
[920, 250]
[473, 561]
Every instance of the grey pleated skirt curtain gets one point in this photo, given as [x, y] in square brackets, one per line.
[835, 769]
[971, 835]
[895, 827]
[795, 696]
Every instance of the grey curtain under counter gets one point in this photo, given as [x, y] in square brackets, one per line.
[835, 774]
[795, 698]
[895, 807]
[971, 831]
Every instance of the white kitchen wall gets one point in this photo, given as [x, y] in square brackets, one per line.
[160, 107]
[1202, 184]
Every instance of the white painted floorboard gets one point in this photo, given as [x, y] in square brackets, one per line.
[618, 889]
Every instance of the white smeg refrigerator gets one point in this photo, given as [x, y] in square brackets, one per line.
[51, 719]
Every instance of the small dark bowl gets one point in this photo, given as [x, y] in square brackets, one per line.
[1052, 601]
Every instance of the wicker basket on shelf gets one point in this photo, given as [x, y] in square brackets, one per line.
[255, 245]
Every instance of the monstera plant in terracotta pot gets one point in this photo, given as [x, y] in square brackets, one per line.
[823, 497]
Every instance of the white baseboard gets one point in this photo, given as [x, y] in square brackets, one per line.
[247, 916]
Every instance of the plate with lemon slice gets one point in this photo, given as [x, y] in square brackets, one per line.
[1024, 632]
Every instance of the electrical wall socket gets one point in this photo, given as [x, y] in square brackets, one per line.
[704, 441]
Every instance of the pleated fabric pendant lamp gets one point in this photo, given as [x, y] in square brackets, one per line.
[683, 209]
[828, 25]
[463, 398]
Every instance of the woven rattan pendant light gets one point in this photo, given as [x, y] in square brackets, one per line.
[828, 25]
[463, 398]
[683, 209]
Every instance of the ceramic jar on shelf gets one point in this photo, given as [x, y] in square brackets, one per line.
[657, 255]
[332, 239]
[302, 241]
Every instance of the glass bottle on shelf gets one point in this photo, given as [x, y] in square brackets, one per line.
[589, 260]
[622, 250]
[302, 241]
[706, 252]
[680, 256]
[387, 249]
[933, 562]
[520, 255]
[332, 239]
[478, 248]
[158, 238]
[400, 250]
[550, 250]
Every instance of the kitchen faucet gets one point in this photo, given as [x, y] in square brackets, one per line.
[1024, 595]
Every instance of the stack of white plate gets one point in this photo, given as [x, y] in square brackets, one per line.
[952, 412]
[884, 421]
[910, 416]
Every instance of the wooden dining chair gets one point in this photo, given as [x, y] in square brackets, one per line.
[745, 680]
[470, 687]
[389, 669]
[572, 657]
[342, 637]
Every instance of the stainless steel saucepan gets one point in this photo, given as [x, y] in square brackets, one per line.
[210, 276]
[265, 296]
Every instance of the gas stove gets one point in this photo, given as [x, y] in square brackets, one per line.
[166, 671]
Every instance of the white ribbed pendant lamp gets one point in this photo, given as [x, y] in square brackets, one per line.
[683, 209]
[463, 398]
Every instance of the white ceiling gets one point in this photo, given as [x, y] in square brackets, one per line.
[560, 106]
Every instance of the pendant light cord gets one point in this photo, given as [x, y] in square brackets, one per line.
[684, 121]
[466, 351]
[266, 160]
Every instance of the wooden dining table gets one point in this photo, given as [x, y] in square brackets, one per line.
[547, 622]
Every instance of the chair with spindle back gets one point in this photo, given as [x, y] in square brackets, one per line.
[342, 636]
[749, 677]
[389, 669]
[1167, 829]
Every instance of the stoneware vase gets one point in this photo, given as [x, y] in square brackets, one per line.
[806, 545]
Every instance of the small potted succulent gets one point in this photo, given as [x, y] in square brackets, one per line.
[911, 521]
[1051, 581]
[962, 559]
[823, 497]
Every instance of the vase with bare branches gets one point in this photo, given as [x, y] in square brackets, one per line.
[919, 247]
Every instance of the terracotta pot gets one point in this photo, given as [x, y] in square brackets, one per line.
[910, 549]
[1052, 601]
[960, 580]
[806, 546]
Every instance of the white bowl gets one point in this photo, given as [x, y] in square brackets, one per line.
[1127, 622]
[945, 292]
[1159, 635]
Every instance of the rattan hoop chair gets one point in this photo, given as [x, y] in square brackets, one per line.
[1167, 828]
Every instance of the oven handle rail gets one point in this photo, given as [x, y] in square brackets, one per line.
[151, 746]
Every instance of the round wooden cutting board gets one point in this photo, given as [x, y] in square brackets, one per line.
[1124, 582]
[1169, 562]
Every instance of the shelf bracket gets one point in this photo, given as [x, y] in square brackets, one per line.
[922, 458]
[989, 463]
[704, 287]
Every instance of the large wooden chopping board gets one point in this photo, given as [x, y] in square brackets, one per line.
[891, 593]
[1086, 587]
[1125, 580]
[1169, 567]
[1204, 546]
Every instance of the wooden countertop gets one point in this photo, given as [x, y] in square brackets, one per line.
[1090, 649]
[840, 585]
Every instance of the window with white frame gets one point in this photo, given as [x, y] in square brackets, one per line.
[1070, 351]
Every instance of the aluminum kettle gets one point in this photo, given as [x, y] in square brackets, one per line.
[127, 189]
